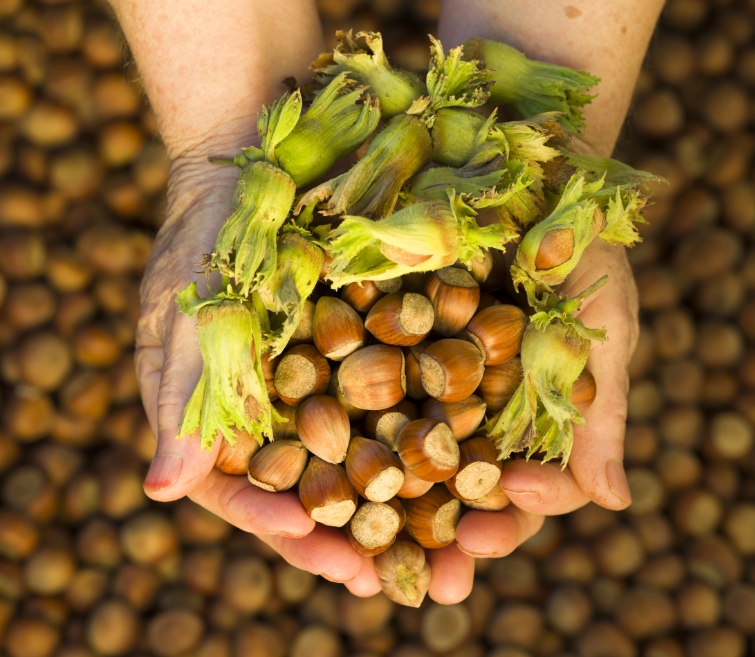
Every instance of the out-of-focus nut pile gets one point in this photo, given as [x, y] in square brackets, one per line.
[90, 567]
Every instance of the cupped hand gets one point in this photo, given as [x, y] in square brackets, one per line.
[595, 471]
[169, 365]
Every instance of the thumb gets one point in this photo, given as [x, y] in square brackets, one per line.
[179, 465]
[596, 459]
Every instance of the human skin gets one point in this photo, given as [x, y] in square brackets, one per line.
[608, 39]
[207, 68]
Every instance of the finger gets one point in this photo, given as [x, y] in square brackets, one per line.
[326, 551]
[542, 488]
[452, 574]
[484, 534]
[179, 465]
[597, 455]
[148, 361]
[250, 508]
[366, 583]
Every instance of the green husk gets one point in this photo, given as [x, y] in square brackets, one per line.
[451, 82]
[335, 125]
[455, 135]
[364, 60]
[371, 187]
[299, 264]
[612, 172]
[443, 231]
[528, 150]
[575, 211]
[245, 248]
[230, 396]
[530, 86]
[274, 124]
[540, 414]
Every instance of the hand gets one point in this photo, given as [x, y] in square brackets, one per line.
[169, 364]
[595, 472]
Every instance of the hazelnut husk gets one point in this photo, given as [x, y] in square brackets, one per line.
[427, 449]
[497, 332]
[404, 573]
[499, 383]
[451, 369]
[355, 414]
[287, 429]
[234, 459]
[301, 372]
[336, 328]
[583, 391]
[495, 500]
[374, 526]
[326, 493]
[555, 248]
[278, 465]
[373, 378]
[362, 296]
[413, 369]
[323, 427]
[374, 470]
[413, 486]
[479, 470]
[432, 518]
[455, 295]
[385, 425]
[462, 417]
[402, 318]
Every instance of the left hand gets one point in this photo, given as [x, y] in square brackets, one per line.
[595, 471]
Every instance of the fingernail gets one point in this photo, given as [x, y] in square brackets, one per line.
[163, 472]
[524, 497]
[471, 554]
[617, 480]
